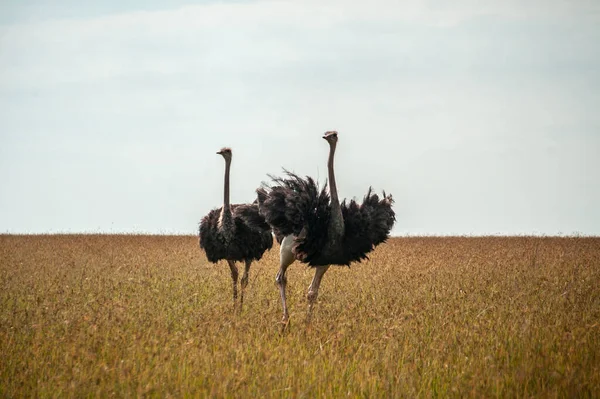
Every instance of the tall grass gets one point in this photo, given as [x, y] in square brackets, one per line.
[87, 315]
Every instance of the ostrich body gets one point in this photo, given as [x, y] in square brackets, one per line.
[235, 233]
[319, 230]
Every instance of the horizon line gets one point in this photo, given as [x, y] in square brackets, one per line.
[401, 235]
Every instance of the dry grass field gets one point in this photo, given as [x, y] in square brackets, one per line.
[93, 315]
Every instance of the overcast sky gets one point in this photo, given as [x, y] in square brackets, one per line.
[480, 117]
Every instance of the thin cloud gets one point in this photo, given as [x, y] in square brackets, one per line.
[469, 114]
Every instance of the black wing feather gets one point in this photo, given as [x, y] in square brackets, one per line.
[296, 206]
[251, 239]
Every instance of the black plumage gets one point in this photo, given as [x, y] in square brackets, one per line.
[248, 242]
[296, 206]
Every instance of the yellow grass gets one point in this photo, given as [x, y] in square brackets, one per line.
[148, 315]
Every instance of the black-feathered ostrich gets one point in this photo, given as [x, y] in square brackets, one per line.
[234, 233]
[317, 229]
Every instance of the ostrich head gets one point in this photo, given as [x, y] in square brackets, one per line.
[225, 152]
[331, 137]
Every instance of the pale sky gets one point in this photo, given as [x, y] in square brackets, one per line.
[480, 117]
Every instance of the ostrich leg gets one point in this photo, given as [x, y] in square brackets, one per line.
[244, 281]
[313, 290]
[234, 277]
[286, 258]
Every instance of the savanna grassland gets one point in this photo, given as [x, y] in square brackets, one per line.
[94, 315]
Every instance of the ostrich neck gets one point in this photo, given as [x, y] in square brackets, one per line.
[226, 224]
[336, 224]
[226, 205]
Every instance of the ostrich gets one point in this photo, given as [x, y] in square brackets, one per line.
[235, 233]
[319, 231]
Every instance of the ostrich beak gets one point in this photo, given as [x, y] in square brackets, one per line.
[219, 152]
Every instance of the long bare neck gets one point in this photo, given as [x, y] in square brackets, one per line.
[226, 205]
[336, 225]
[335, 201]
[226, 225]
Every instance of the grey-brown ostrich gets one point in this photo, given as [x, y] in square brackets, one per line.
[317, 229]
[234, 233]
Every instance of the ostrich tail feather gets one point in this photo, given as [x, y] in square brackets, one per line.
[367, 225]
